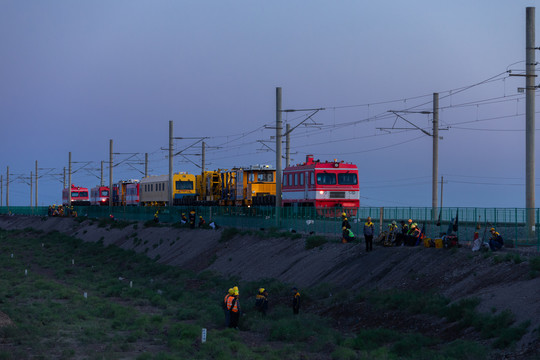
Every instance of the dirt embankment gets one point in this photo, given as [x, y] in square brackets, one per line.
[454, 273]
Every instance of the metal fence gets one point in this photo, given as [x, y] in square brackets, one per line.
[509, 222]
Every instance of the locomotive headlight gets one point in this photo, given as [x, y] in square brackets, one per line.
[321, 192]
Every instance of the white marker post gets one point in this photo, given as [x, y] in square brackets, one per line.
[203, 335]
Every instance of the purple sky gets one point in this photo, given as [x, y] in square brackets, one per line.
[76, 74]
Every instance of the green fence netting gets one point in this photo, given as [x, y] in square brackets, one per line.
[509, 222]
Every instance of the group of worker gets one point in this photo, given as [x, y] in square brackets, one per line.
[53, 210]
[192, 219]
[232, 310]
[348, 236]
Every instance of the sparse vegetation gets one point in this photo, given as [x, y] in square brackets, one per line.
[314, 241]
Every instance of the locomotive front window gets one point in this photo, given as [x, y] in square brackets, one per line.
[184, 185]
[265, 177]
[74, 194]
[326, 179]
[104, 192]
[347, 179]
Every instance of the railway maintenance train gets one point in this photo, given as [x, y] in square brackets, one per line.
[325, 185]
[79, 196]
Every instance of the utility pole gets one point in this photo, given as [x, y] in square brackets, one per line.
[435, 174]
[145, 164]
[31, 186]
[170, 162]
[287, 145]
[69, 181]
[36, 185]
[64, 177]
[101, 182]
[1, 190]
[111, 176]
[530, 121]
[279, 128]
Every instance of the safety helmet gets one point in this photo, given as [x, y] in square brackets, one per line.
[492, 229]
[231, 291]
[183, 213]
[409, 221]
[236, 292]
[415, 224]
[343, 214]
[235, 288]
[344, 228]
[261, 290]
[200, 217]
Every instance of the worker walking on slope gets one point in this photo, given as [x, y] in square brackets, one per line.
[225, 310]
[369, 230]
[192, 219]
[261, 301]
[233, 305]
[345, 221]
[295, 301]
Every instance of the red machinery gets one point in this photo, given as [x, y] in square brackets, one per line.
[331, 186]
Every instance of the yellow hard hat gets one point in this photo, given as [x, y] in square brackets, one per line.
[231, 291]
[492, 229]
[236, 292]
[261, 290]
[344, 228]
[343, 214]
[235, 288]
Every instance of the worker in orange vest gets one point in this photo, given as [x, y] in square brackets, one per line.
[225, 310]
[233, 305]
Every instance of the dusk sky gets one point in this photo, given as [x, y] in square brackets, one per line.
[75, 74]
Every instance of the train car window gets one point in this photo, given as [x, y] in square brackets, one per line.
[285, 180]
[251, 177]
[347, 179]
[301, 178]
[184, 185]
[74, 193]
[104, 192]
[326, 179]
[312, 178]
[151, 187]
[83, 193]
[295, 179]
[290, 180]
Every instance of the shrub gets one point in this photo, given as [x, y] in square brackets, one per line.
[228, 233]
[534, 263]
[314, 241]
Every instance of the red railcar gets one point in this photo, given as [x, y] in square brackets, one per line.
[331, 186]
[99, 195]
[79, 196]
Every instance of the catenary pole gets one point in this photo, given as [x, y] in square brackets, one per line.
[7, 189]
[101, 181]
[287, 145]
[145, 164]
[530, 120]
[36, 195]
[279, 128]
[435, 175]
[69, 181]
[170, 163]
[1, 190]
[111, 176]
[31, 186]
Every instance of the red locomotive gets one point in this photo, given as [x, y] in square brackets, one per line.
[331, 186]
[79, 196]
[99, 195]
